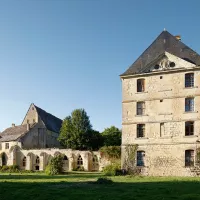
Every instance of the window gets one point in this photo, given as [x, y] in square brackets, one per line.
[140, 130]
[140, 158]
[7, 145]
[161, 77]
[140, 108]
[189, 158]
[79, 161]
[37, 161]
[65, 158]
[27, 121]
[189, 104]
[189, 128]
[33, 120]
[162, 129]
[24, 162]
[140, 85]
[161, 100]
[189, 80]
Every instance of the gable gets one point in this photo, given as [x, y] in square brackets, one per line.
[31, 115]
[165, 42]
[167, 61]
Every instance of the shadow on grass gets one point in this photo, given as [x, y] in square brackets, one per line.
[90, 190]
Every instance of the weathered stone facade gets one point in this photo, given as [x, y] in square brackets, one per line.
[164, 116]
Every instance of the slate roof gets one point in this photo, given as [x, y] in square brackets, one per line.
[165, 42]
[51, 122]
[14, 133]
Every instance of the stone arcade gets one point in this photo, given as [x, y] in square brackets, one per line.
[161, 108]
[32, 144]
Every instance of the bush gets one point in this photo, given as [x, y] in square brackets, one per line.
[104, 181]
[111, 152]
[113, 169]
[55, 165]
[9, 169]
[80, 169]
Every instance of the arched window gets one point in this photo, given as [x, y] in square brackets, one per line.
[65, 158]
[37, 161]
[95, 159]
[79, 161]
[189, 158]
[24, 162]
[140, 158]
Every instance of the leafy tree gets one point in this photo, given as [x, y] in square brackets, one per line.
[77, 133]
[112, 136]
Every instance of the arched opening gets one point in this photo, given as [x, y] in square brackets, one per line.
[65, 164]
[79, 162]
[37, 163]
[24, 162]
[4, 159]
[95, 163]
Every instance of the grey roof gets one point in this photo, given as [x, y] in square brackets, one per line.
[165, 42]
[51, 122]
[14, 133]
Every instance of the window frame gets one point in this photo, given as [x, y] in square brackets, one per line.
[189, 80]
[140, 162]
[140, 110]
[189, 104]
[140, 130]
[190, 158]
[7, 145]
[141, 85]
[189, 125]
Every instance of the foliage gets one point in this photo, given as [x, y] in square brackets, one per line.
[111, 152]
[114, 169]
[80, 169]
[10, 169]
[130, 161]
[77, 133]
[55, 165]
[104, 181]
[112, 136]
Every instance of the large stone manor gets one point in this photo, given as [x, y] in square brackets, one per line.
[32, 144]
[161, 108]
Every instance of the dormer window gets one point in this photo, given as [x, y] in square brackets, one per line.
[189, 80]
[140, 85]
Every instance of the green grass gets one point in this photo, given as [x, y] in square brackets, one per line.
[82, 186]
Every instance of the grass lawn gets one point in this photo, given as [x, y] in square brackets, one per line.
[82, 186]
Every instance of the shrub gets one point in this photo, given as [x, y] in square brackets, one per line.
[113, 169]
[80, 169]
[55, 165]
[104, 181]
[9, 169]
[111, 152]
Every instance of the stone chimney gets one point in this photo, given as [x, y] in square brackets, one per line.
[178, 37]
[28, 126]
[13, 125]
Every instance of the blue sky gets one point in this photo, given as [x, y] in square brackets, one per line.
[68, 54]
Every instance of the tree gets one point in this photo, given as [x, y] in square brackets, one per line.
[77, 133]
[112, 136]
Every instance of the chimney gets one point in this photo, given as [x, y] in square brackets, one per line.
[28, 126]
[178, 37]
[13, 125]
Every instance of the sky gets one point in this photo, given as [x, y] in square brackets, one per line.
[67, 54]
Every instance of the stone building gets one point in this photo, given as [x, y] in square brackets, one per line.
[32, 145]
[161, 108]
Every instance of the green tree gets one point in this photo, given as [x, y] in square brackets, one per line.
[77, 133]
[112, 136]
